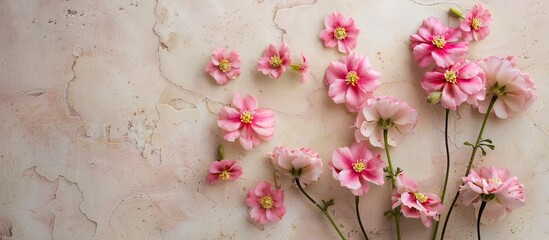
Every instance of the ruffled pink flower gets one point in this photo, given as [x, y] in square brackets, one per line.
[382, 113]
[304, 164]
[476, 23]
[249, 124]
[355, 166]
[509, 194]
[302, 68]
[274, 61]
[435, 42]
[224, 65]
[340, 31]
[415, 204]
[351, 80]
[266, 204]
[223, 170]
[462, 81]
[514, 89]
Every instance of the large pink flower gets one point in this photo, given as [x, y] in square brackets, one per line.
[435, 42]
[266, 204]
[508, 193]
[224, 65]
[274, 61]
[340, 31]
[223, 170]
[462, 81]
[304, 164]
[354, 167]
[351, 80]
[415, 204]
[249, 124]
[513, 88]
[476, 23]
[382, 113]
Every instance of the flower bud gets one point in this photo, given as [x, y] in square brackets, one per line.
[220, 153]
[434, 98]
[456, 13]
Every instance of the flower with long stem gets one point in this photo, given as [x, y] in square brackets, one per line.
[392, 175]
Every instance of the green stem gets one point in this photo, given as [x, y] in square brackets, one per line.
[482, 206]
[475, 148]
[357, 200]
[319, 207]
[447, 170]
[397, 214]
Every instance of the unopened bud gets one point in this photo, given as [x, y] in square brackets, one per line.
[456, 13]
[434, 98]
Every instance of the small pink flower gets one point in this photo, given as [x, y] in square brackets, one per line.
[302, 68]
[476, 23]
[508, 193]
[435, 42]
[274, 61]
[266, 204]
[415, 204]
[249, 124]
[304, 164]
[354, 167]
[514, 89]
[340, 31]
[224, 65]
[223, 170]
[351, 80]
[462, 81]
[384, 113]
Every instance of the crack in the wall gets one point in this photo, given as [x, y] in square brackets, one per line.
[275, 13]
[432, 3]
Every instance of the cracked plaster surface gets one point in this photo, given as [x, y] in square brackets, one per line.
[108, 120]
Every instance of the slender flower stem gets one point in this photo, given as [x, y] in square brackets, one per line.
[319, 207]
[357, 200]
[482, 206]
[447, 170]
[396, 215]
[475, 148]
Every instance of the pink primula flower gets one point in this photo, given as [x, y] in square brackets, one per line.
[415, 204]
[304, 164]
[462, 81]
[355, 166]
[340, 31]
[302, 68]
[514, 89]
[435, 42]
[247, 122]
[266, 204]
[509, 194]
[384, 113]
[224, 65]
[476, 23]
[274, 61]
[351, 80]
[223, 170]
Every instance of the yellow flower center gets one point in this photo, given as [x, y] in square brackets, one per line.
[246, 117]
[340, 33]
[359, 167]
[450, 76]
[420, 197]
[495, 180]
[275, 61]
[224, 65]
[351, 78]
[439, 41]
[266, 202]
[476, 23]
[224, 175]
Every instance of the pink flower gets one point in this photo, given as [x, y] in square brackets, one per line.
[304, 164]
[301, 68]
[274, 60]
[266, 204]
[475, 25]
[462, 81]
[507, 192]
[513, 88]
[435, 42]
[249, 124]
[340, 31]
[354, 167]
[415, 204]
[224, 65]
[351, 80]
[384, 113]
[223, 170]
